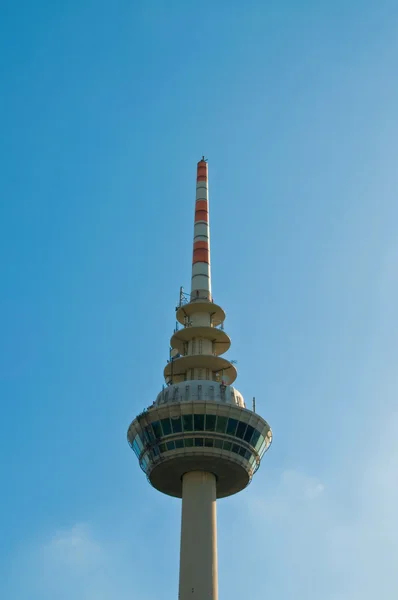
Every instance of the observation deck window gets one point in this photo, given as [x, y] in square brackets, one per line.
[157, 430]
[199, 422]
[176, 424]
[210, 422]
[166, 426]
[139, 442]
[170, 445]
[148, 435]
[227, 446]
[259, 443]
[240, 431]
[187, 420]
[231, 427]
[198, 441]
[188, 442]
[218, 444]
[209, 443]
[249, 432]
[179, 444]
[255, 437]
[235, 448]
[262, 449]
[135, 448]
[221, 424]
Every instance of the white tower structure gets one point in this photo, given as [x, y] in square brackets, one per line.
[198, 441]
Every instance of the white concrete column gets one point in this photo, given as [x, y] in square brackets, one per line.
[198, 553]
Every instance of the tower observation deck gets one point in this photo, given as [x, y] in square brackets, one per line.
[198, 441]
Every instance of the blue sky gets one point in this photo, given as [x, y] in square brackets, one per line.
[105, 108]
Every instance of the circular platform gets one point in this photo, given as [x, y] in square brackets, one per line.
[231, 476]
[222, 341]
[178, 437]
[179, 366]
[201, 306]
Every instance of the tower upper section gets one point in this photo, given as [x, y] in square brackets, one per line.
[199, 421]
[197, 347]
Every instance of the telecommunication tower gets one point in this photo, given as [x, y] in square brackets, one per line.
[198, 441]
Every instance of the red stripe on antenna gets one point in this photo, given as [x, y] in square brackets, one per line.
[202, 171]
[201, 215]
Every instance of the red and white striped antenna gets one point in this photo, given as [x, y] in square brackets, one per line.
[201, 273]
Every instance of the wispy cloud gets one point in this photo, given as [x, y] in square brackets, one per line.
[329, 542]
[73, 563]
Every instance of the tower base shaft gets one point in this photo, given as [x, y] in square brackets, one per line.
[198, 557]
